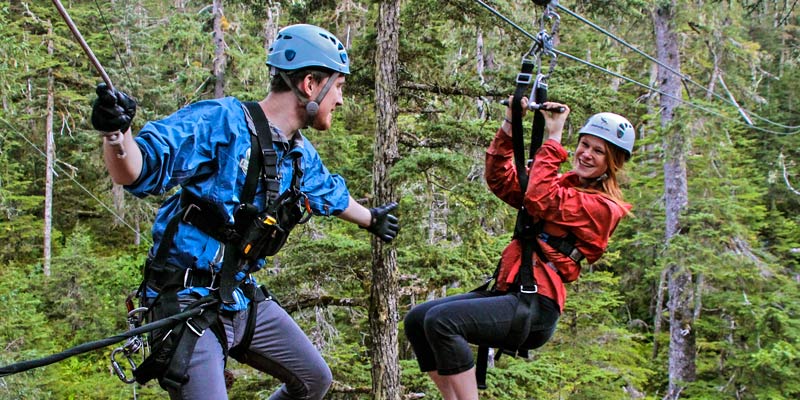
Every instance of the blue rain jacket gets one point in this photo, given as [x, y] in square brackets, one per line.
[204, 148]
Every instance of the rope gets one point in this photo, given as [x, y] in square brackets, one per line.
[89, 346]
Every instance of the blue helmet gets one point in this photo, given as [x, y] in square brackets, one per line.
[302, 46]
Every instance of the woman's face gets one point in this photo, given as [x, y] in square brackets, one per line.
[590, 158]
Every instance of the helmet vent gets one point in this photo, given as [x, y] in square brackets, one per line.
[298, 47]
[622, 128]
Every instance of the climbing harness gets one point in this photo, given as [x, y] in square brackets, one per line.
[253, 235]
[526, 231]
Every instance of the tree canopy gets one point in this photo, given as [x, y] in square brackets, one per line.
[740, 232]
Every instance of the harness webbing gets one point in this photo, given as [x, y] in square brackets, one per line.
[173, 350]
[171, 354]
[525, 230]
[268, 163]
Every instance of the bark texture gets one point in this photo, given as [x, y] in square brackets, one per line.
[680, 287]
[383, 314]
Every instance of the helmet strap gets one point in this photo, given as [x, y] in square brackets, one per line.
[312, 106]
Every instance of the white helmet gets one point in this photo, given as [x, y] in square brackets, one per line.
[612, 128]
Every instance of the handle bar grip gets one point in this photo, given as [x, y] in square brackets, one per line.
[535, 106]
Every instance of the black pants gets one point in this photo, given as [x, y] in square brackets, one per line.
[441, 330]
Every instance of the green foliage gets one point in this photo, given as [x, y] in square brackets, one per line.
[738, 239]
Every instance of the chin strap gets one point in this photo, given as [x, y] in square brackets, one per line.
[312, 106]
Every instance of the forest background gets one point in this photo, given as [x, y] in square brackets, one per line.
[697, 301]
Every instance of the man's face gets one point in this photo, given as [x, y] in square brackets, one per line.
[332, 99]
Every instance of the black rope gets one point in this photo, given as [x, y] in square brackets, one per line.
[89, 346]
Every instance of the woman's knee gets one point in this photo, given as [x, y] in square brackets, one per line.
[413, 322]
[436, 323]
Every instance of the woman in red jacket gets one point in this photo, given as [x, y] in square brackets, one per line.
[585, 203]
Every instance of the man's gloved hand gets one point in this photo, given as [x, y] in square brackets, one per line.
[112, 110]
[384, 225]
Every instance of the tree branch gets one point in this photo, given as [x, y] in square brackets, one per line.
[454, 91]
[324, 301]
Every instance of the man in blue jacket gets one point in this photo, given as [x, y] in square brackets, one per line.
[223, 220]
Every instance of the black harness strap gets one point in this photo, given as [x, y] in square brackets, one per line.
[269, 160]
[256, 294]
[188, 334]
[525, 230]
[170, 360]
[524, 225]
[268, 164]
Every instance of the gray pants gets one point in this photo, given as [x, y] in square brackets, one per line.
[279, 348]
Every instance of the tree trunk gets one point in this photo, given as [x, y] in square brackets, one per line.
[679, 287]
[480, 65]
[50, 149]
[271, 25]
[383, 314]
[219, 51]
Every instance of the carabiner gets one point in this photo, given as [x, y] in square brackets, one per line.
[306, 207]
[135, 316]
[118, 369]
[546, 37]
[538, 92]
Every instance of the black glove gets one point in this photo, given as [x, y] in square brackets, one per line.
[112, 111]
[384, 225]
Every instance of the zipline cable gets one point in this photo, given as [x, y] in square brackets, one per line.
[113, 42]
[667, 67]
[708, 110]
[115, 137]
[92, 195]
[577, 59]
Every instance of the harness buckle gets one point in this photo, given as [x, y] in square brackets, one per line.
[188, 211]
[576, 255]
[524, 78]
[532, 289]
[213, 279]
[197, 331]
[187, 275]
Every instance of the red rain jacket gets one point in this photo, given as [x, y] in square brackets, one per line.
[591, 217]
